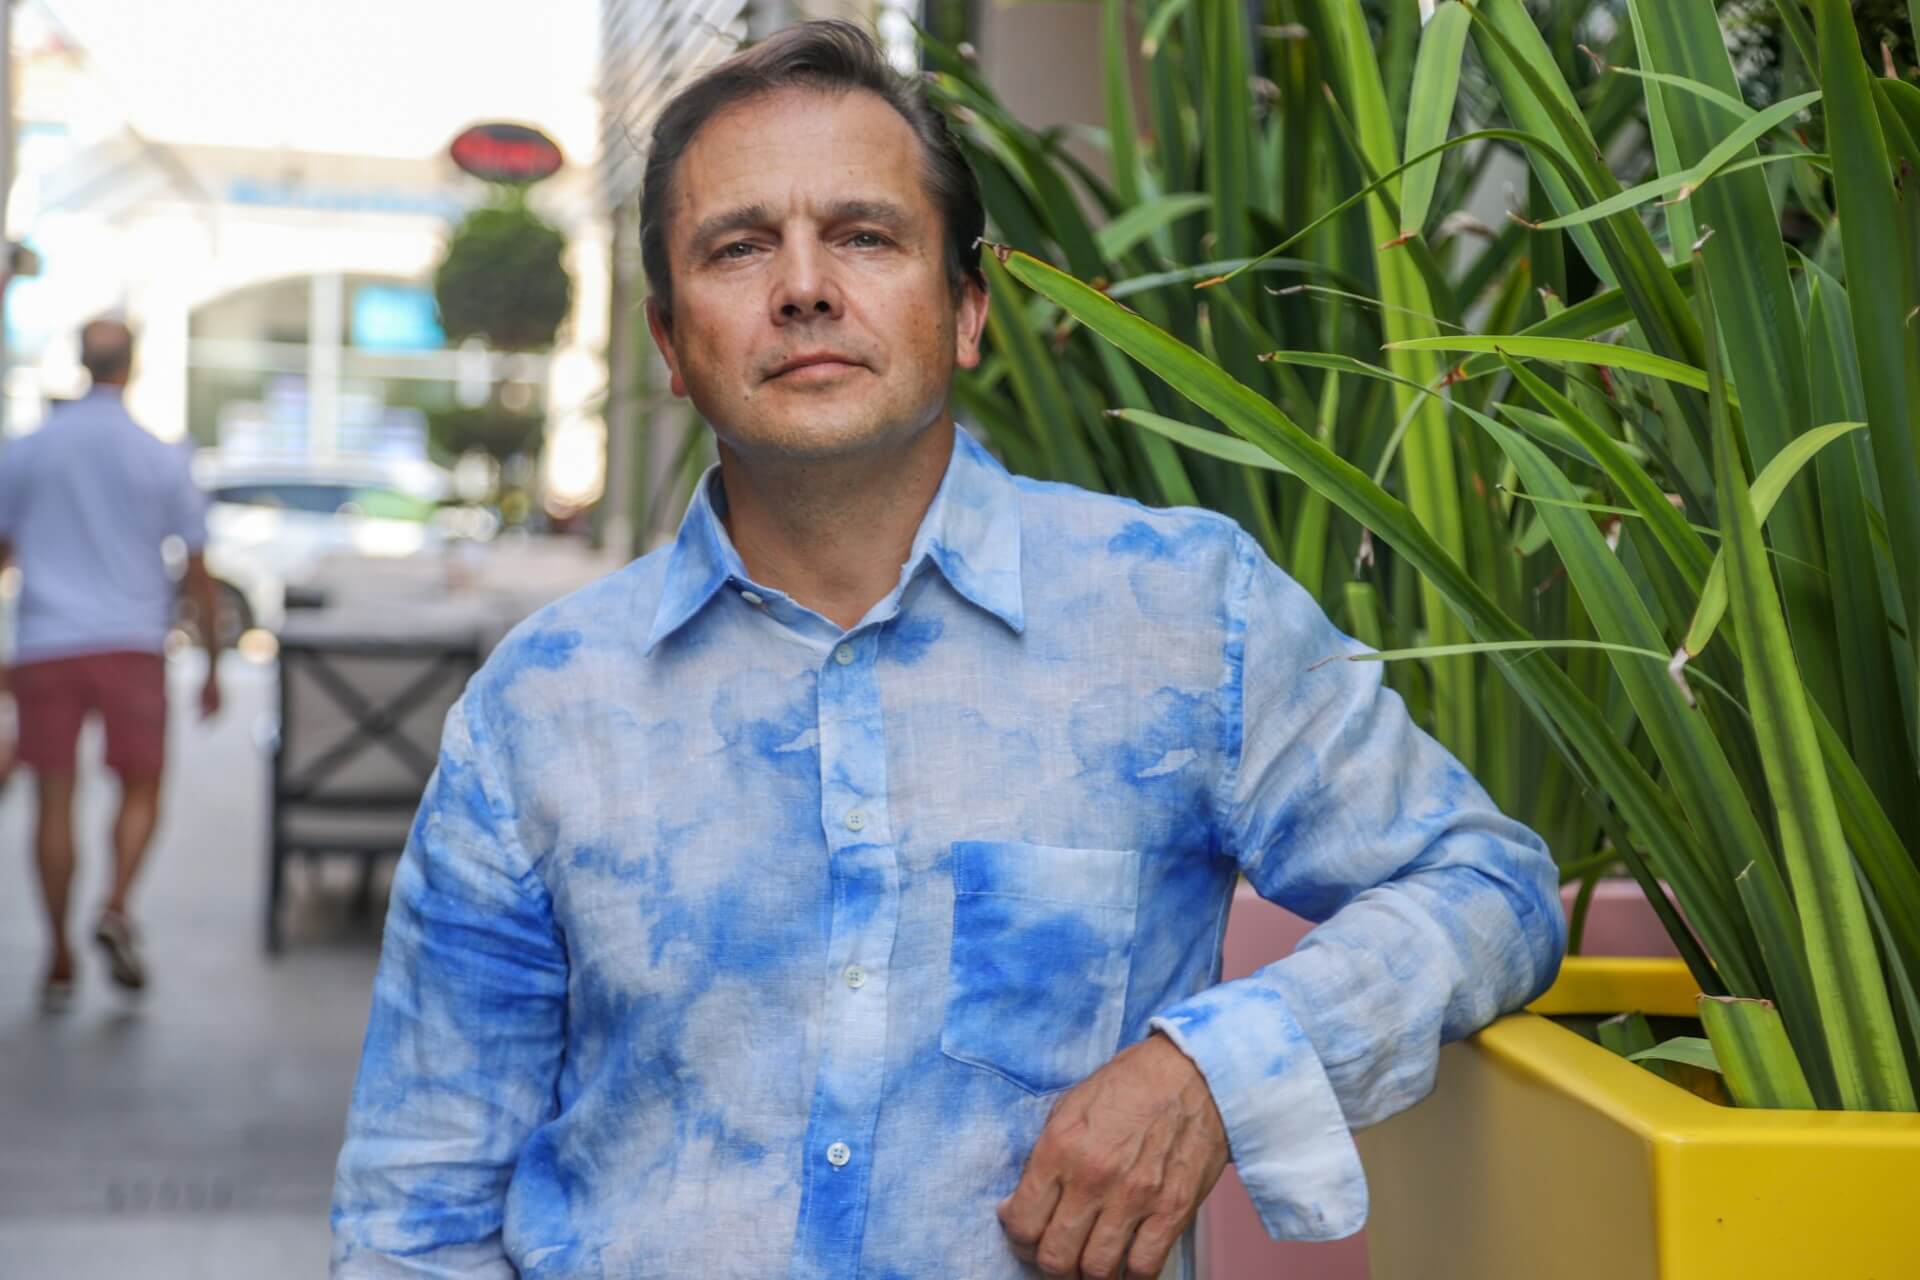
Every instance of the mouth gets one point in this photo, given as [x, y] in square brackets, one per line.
[814, 366]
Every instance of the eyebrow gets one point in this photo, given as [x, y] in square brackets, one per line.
[747, 216]
[738, 218]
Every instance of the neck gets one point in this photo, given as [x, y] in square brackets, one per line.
[833, 534]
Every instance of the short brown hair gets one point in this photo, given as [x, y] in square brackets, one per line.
[832, 57]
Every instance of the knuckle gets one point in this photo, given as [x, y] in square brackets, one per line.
[1149, 1255]
[1052, 1262]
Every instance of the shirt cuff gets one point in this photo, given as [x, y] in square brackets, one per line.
[1288, 1135]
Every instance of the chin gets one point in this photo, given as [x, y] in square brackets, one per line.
[823, 437]
[826, 444]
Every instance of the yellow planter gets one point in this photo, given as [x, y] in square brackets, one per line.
[1543, 1156]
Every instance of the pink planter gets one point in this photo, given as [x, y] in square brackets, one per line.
[1619, 921]
[1233, 1244]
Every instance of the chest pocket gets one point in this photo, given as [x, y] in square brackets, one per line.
[1042, 941]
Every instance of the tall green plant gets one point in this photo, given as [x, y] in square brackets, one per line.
[1250, 133]
[1670, 502]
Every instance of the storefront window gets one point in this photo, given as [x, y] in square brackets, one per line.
[379, 383]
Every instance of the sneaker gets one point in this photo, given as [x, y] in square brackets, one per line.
[116, 937]
[56, 995]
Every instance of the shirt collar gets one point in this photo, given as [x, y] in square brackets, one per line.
[971, 533]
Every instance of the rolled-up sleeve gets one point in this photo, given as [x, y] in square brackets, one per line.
[464, 1040]
[1437, 913]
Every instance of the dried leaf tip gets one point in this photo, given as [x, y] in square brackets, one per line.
[1000, 251]
[1762, 1001]
[1676, 672]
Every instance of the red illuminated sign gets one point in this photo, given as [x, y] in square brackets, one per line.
[506, 153]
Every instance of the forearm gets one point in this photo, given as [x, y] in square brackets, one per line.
[6, 688]
[1417, 962]
[205, 604]
[1347, 1030]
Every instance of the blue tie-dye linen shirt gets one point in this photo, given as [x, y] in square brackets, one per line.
[729, 944]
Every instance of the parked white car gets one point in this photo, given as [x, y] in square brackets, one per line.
[271, 525]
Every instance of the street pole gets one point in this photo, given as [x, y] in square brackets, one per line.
[615, 515]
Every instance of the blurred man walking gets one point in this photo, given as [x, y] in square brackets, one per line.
[86, 504]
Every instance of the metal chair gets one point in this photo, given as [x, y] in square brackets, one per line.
[359, 728]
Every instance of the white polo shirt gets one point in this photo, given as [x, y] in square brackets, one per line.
[86, 503]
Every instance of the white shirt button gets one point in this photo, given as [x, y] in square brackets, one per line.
[856, 819]
[752, 597]
[856, 976]
[843, 655]
[838, 1154]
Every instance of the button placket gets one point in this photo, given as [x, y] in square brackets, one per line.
[865, 891]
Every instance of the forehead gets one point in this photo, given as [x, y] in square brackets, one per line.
[794, 148]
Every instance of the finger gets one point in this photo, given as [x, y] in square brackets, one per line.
[1151, 1245]
[1024, 1214]
[1105, 1256]
[1066, 1236]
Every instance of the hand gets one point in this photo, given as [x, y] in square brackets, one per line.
[1120, 1169]
[210, 696]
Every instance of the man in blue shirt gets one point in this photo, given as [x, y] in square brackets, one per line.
[839, 891]
[86, 504]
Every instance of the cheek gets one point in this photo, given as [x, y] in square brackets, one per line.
[708, 351]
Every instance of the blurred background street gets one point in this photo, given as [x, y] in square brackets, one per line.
[149, 1136]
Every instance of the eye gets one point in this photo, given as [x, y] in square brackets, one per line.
[867, 240]
[728, 251]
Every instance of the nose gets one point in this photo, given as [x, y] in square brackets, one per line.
[804, 287]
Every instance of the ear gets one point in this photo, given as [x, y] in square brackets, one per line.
[970, 317]
[662, 330]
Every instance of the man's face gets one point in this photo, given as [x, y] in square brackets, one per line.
[812, 317]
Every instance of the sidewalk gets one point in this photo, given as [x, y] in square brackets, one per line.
[191, 1133]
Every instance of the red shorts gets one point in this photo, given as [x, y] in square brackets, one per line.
[129, 690]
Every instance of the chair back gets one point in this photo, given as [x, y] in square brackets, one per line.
[359, 734]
